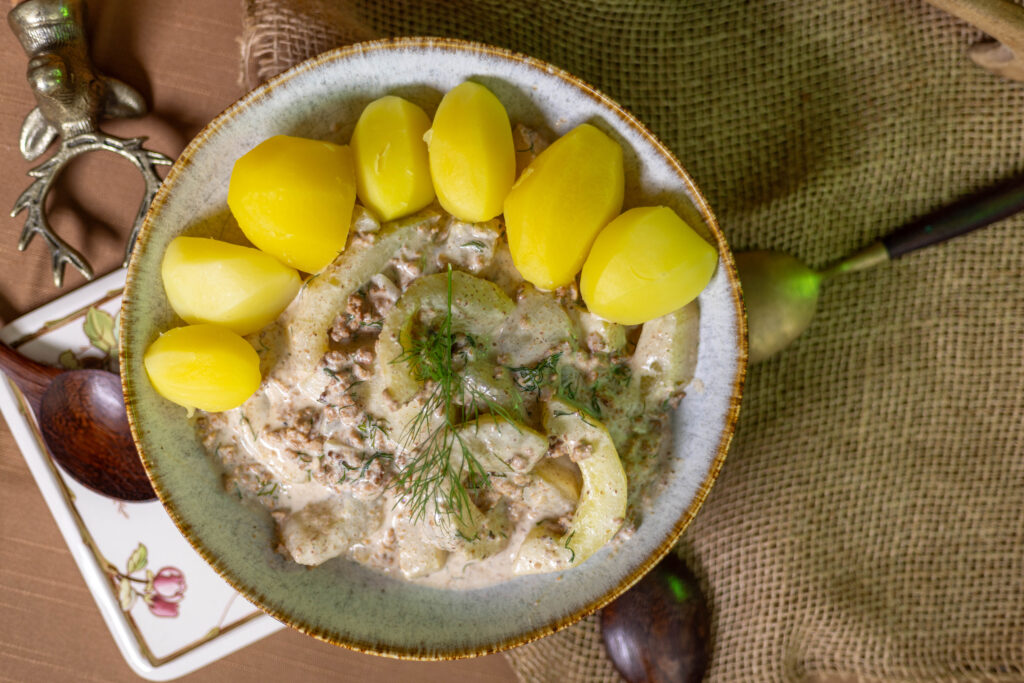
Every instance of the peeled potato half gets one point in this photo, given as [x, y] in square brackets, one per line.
[241, 288]
[203, 366]
[392, 171]
[646, 263]
[560, 202]
[472, 155]
[293, 198]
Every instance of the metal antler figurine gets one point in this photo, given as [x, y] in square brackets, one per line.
[72, 97]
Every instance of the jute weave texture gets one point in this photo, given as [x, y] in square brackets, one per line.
[869, 521]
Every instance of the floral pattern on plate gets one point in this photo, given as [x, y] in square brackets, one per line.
[169, 612]
[161, 592]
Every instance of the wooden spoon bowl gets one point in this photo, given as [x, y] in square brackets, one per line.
[82, 418]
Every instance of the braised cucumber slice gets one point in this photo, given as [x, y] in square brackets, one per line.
[666, 354]
[299, 338]
[479, 308]
[535, 328]
[602, 503]
[501, 446]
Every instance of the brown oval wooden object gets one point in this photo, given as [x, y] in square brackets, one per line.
[82, 418]
[657, 631]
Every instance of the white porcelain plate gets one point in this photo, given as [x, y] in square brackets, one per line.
[168, 610]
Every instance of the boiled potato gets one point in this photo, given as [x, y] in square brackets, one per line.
[644, 264]
[241, 288]
[293, 199]
[560, 203]
[392, 171]
[203, 366]
[602, 502]
[472, 156]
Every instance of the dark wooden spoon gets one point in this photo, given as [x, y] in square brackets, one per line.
[82, 418]
[657, 631]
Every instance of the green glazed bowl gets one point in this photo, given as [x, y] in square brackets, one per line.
[340, 601]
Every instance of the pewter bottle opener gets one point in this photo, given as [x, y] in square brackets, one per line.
[72, 97]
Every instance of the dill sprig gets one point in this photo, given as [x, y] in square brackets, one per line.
[370, 427]
[443, 470]
[574, 390]
[267, 488]
[533, 379]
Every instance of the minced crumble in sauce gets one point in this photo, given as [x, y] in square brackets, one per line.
[323, 442]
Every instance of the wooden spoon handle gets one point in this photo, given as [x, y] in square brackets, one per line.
[31, 377]
[967, 214]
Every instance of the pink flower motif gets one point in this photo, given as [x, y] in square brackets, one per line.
[161, 607]
[161, 591]
[169, 586]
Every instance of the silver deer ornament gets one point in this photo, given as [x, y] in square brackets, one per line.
[72, 97]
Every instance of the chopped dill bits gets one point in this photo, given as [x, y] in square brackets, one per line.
[267, 488]
[248, 424]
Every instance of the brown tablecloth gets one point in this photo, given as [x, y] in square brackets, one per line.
[867, 525]
[183, 55]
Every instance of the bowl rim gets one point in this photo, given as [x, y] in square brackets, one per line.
[726, 262]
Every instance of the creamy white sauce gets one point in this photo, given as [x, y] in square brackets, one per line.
[321, 442]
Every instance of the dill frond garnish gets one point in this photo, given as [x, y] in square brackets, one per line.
[267, 488]
[535, 378]
[370, 427]
[252, 431]
[443, 470]
[347, 468]
[574, 390]
[379, 455]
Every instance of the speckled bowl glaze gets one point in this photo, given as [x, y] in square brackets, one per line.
[340, 601]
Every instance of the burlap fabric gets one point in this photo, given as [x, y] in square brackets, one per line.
[868, 522]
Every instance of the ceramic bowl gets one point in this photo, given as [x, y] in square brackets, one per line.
[340, 601]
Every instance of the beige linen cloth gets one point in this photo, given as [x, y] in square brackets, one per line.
[869, 521]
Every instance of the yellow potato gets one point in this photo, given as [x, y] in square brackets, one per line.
[559, 204]
[472, 156]
[392, 171]
[646, 263]
[241, 288]
[293, 199]
[203, 366]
